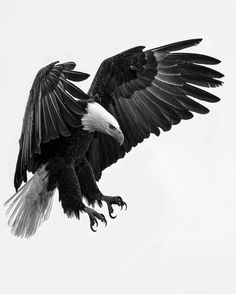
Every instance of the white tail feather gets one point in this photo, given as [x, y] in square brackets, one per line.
[31, 205]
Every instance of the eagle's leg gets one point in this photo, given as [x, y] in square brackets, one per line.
[91, 191]
[63, 175]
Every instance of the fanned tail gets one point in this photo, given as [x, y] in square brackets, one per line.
[31, 205]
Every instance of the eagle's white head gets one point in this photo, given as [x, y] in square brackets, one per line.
[98, 119]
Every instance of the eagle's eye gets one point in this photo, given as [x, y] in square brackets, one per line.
[111, 127]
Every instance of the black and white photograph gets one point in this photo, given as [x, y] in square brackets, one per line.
[118, 142]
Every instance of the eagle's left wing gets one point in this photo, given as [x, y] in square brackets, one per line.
[149, 90]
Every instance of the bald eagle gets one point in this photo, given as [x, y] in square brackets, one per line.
[68, 137]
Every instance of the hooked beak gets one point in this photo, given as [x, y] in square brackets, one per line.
[117, 134]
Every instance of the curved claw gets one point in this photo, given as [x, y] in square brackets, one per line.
[125, 205]
[93, 222]
[91, 227]
[104, 220]
[112, 216]
[122, 204]
[110, 211]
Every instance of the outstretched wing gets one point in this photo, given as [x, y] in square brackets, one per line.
[147, 91]
[50, 111]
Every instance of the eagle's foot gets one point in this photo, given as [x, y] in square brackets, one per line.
[93, 217]
[117, 200]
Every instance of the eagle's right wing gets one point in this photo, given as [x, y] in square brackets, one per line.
[50, 109]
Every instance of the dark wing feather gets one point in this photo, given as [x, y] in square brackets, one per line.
[50, 112]
[147, 91]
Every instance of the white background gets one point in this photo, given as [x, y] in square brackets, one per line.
[179, 232]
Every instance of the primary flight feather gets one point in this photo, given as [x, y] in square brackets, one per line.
[68, 137]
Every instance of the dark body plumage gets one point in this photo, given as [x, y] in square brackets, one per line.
[144, 91]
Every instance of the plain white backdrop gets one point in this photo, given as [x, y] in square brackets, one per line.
[179, 232]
